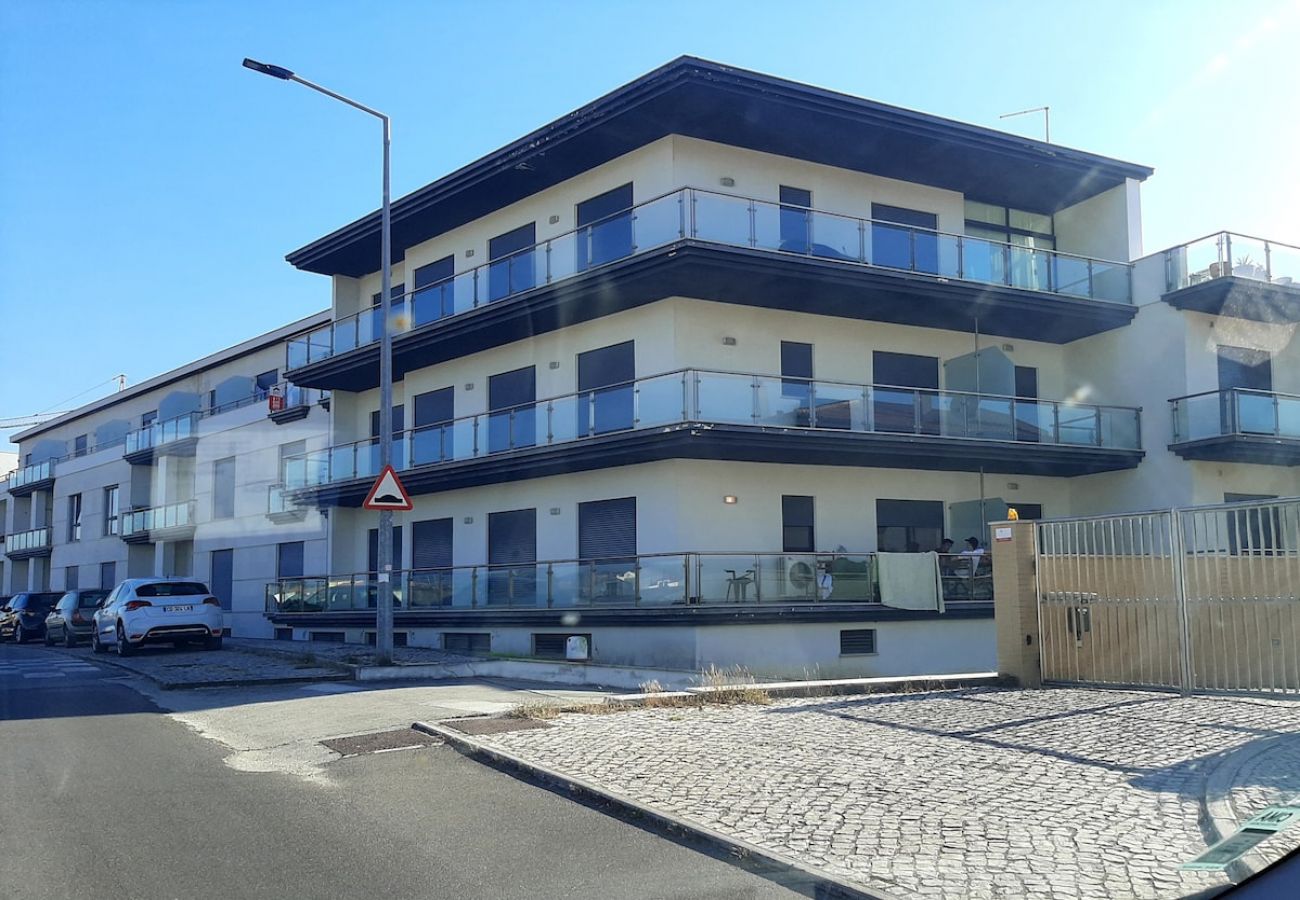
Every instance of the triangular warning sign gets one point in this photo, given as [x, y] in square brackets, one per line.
[388, 493]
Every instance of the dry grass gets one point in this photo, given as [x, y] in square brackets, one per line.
[724, 687]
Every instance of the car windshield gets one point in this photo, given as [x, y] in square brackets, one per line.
[90, 599]
[170, 589]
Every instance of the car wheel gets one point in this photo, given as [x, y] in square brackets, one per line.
[18, 634]
[95, 645]
[69, 638]
[49, 638]
[124, 647]
[212, 643]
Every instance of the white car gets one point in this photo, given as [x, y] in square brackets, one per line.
[143, 611]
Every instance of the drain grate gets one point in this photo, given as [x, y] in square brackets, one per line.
[380, 741]
[486, 725]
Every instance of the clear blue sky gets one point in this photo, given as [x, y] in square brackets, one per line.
[150, 186]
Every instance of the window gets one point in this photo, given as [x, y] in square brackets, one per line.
[111, 510]
[857, 641]
[1010, 226]
[396, 306]
[1028, 512]
[148, 418]
[512, 421]
[431, 544]
[434, 295]
[107, 576]
[511, 258]
[467, 641]
[79, 444]
[291, 455]
[74, 517]
[430, 440]
[905, 411]
[904, 238]
[399, 446]
[604, 227]
[288, 559]
[607, 529]
[796, 223]
[265, 382]
[71, 577]
[512, 552]
[1022, 264]
[223, 488]
[222, 577]
[908, 526]
[796, 369]
[1246, 377]
[372, 550]
[797, 524]
[605, 379]
[1028, 422]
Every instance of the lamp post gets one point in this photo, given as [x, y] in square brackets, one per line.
[384, 598]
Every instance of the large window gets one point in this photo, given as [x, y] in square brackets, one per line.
[396, 306]
[908, 526]
[264, 382]
[896, 408]
[288, 559]
[372, 549]
[223, 488]
[607, 529]
[904, 238]
[431, 438]
[107, 576]
[74, 517]
[796, 225]
[431, 558]
[399, 446]
[796, 369]
[79, 444]
[512, 420]
[434, 295]
[604, 380]
[797, 534]
[71, 578]
[511, 258]
[604, 227]
[512, 554]
[1025, 263]
[222, 576]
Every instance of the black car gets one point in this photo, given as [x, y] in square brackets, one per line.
[26, 617]
[71, 618]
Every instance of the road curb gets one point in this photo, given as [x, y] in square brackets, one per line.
[106, 660]
[825, 885]
[1220, 821]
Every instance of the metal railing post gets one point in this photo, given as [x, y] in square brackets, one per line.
[1268, 261]
[1180, 598]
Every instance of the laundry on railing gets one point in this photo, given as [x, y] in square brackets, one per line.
[910, 580]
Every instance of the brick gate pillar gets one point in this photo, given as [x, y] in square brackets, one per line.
[1015, 602]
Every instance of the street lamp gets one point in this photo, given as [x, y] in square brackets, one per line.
[384, 599]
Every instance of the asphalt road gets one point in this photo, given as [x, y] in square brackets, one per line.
[103, 795]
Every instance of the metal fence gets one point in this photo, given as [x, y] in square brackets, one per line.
[1196, 599]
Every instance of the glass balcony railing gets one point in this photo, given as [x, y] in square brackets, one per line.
[157, 518]
[286, 396]
[731, 221]
[279, 501]
[159, 434]
[726, 398]
[33, 474]
[1227, 254]
[1235, 412]
[33, 539]
[648, 580]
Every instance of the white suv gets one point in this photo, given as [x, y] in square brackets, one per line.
[156, 611]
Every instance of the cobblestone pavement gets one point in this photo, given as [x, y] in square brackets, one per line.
[173, 668]
[970, 793]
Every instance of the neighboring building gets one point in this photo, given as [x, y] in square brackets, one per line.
[673, 367]
[174, 476]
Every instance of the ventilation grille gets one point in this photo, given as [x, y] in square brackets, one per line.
[399, 638]
[326, 637]
[857, 641]
[551, 646]
[467, 641]
[284, 634]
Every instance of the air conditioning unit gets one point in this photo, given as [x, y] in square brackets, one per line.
[798, 577]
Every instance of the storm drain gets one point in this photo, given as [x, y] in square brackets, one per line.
[381, 742]
[487, 725]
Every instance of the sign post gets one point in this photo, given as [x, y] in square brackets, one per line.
[387, 495]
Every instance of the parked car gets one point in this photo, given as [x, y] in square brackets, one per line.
[25, 619]
[143, 611]
[71, 620]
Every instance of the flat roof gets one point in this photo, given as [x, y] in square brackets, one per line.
[244, 348]
[698, 98]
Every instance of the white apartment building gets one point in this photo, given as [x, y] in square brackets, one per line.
[177, 476]
[674, 371]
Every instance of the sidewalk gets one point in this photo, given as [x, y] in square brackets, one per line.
[231, 666]
[966, 793]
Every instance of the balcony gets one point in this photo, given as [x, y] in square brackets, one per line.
[1238, 426]
[26, 544]
[288, 402]
[650, 589]
[1228, 274]
[36, 477]
[722, 415]
[713, 246]
[173, 522]
[281, 508]
[173, 437]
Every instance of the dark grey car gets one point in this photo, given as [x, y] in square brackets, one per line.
[26, 617]
[71, 619]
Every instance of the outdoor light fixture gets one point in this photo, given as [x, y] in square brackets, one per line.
[268, 69]
[730, 499]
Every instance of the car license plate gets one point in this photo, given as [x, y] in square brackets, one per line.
[181, 608]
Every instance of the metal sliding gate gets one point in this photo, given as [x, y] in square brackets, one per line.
[1196, 599]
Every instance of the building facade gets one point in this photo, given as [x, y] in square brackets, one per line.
[680, 373]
